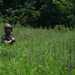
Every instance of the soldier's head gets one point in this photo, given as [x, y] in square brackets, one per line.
[8, 28]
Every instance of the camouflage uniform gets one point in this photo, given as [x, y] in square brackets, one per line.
[7, 38]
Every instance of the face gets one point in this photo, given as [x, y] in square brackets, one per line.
[8, 30]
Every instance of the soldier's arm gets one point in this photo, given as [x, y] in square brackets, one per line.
[13, 38]
[3, 40]
[8, 42]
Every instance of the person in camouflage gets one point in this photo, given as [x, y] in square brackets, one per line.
[8, 38]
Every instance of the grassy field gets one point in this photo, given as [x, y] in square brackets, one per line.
[39, 52]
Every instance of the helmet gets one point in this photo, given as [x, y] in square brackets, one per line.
[8, 26]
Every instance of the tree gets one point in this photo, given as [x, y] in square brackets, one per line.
[36, 13]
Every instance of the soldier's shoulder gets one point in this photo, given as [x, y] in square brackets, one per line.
[12, 35]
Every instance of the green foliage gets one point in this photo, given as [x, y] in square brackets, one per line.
[39, 52]
[29, 15]
[36, 13]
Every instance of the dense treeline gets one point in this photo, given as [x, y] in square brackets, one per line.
[36, 13]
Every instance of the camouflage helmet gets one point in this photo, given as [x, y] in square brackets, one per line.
[8, 26]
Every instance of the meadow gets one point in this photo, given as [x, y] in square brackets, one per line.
[39, 52]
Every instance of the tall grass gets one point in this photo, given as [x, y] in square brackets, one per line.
[39, 52]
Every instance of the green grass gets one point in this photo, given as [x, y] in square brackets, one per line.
[39, 52]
